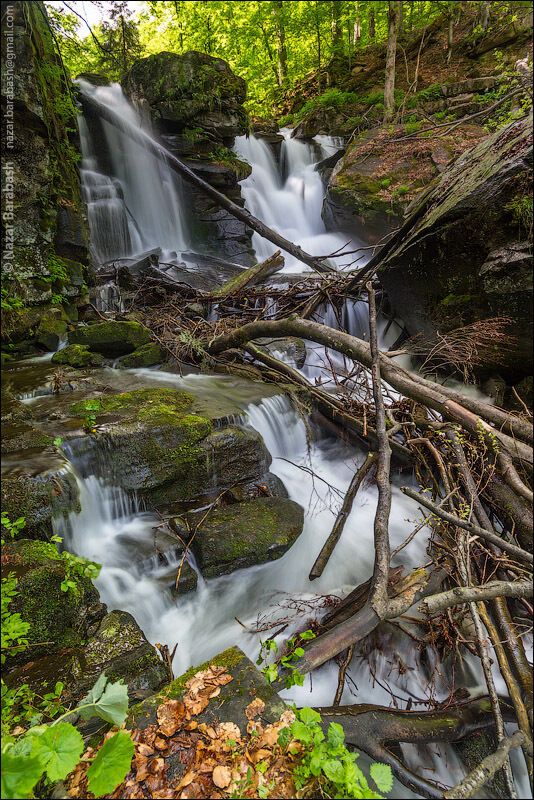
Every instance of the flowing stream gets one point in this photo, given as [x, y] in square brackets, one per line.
[134, 203]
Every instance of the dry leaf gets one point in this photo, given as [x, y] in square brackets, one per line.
[221, 777]
[255, 708]
[170, 716]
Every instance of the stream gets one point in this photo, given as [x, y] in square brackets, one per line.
[134, 203]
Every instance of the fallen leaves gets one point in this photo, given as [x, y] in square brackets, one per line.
[178, 757]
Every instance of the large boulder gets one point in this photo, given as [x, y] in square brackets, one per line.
[466, 257]
[112, 338]
[190, 90]
[160, 444]
[77, 356]
[243, 534]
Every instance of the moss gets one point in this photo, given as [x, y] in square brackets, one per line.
[228, 658]
[112, 338]
[77, 355]
[146, 356]
[39, 499]
[146, 404]
[457, 299]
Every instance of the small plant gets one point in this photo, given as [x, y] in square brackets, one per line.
[51, 752]
[288, 662]
[385, 183]
[412, 127]
[10, 302]
[328, 763]
[76, 567]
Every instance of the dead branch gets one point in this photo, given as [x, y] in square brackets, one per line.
[249, 277]
[470, 594]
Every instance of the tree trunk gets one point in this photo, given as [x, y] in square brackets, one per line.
[281, 48]
[389, 84]
[318, 39]
[372, 23]
[337, 31]
[484, 14]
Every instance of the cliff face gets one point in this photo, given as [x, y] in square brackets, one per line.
[46, 264]
[468, 256]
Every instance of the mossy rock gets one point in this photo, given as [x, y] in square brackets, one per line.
[50, 331]
[146, 356]
[56, 618]
[120, 649]
[229, 706]
[78, 356]
[244, 534]
[112, 338]
[188, 91]
[39, 498]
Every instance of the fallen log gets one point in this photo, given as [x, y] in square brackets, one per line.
[249, 277]
[485, 771]
[474, 594]
[138, 135]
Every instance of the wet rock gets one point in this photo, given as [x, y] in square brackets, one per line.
[465, 258]
[40, 497]
[51, 329]
[155, 442]
[120, 649]
[57, 619]
[495, 387]
[146, 356]
[190, 90]
[78, 356]
[244, 534]
[111, 338]
[291, 348]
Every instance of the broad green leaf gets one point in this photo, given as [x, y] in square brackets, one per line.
[111, 764]
[59, 748]
[301, 732]
[308, 715]
[336, 734]
[19, 775]
[299, 652]
[271, 673]
[382, 776]
[334, 771]
[305, 635]
[284, 737]
[109, 701]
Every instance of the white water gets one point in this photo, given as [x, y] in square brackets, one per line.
[139, 205]
[292, 205]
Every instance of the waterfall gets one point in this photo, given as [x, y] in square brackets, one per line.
[289, 197]
[134, 200]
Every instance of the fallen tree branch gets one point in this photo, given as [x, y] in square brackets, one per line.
[249, 277]
[485, 771]
[493, 538]
[468, 594]
[328, 547]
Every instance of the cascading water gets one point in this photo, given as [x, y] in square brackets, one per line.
[288, 198]
[134, 200]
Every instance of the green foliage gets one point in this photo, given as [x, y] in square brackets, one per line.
[331, 98]
[521, 208]
[50, 752]
[24, 707]
[412, 127]
[14, 628]
[328, 762]
[293, 654]
[10, 302]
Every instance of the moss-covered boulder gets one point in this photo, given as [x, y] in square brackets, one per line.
[191, 90]
[113, 338]
[51, 330]
[243, 534]
[77, 356]
[246, 685]
[39, 498]
[57, 619]
[146, 356]
[120, 649]
[467, 257]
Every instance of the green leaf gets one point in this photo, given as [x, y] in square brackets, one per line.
[60, 748]
[336, 734]
[271, 673]
[19, 774]
[58, 441]
[284, 737]
[299, 652]
[301, 732]
[308, 715]
[305, 635]
[111, 764]
[109, 701]
[334, 771]
[382, 776]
